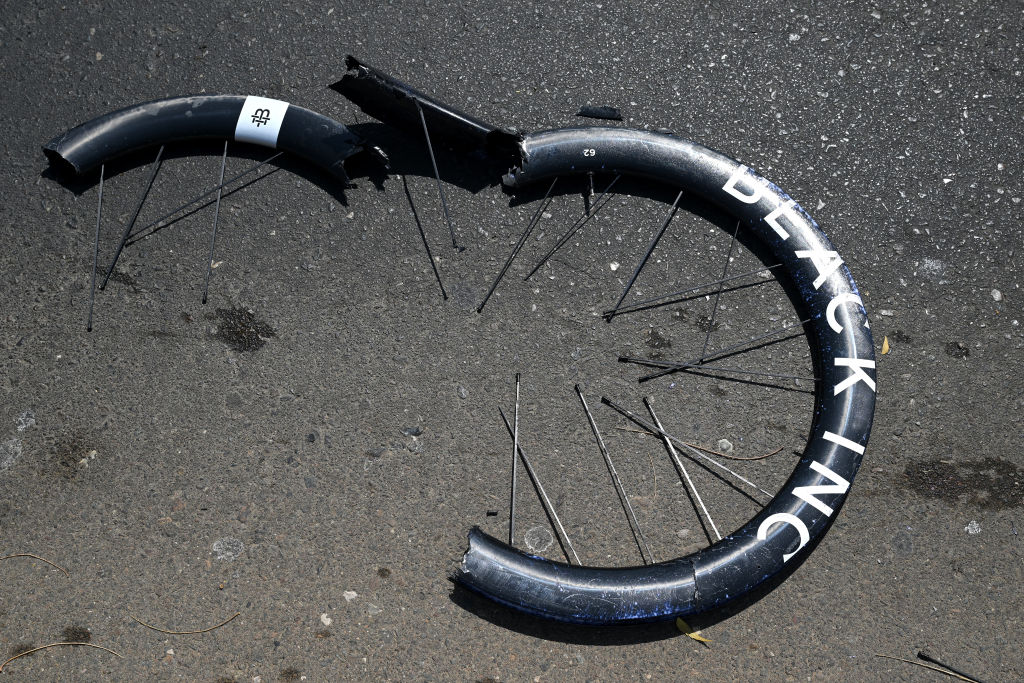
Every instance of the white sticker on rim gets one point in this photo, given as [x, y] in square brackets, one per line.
[260, 121]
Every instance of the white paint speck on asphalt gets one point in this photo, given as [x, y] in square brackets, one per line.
[28, 418]
[228, 548]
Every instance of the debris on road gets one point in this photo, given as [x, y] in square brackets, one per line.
[41, 559]
[688, 630]
[43, 647]
[185, 633]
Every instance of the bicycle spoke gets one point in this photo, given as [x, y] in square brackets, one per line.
[577, 226]
[655, 430]
[423, 236]
[437, 174]
[96, 250]
[549, 509]
[718, 293]
[138, 234]
[515, 468]
[683, 474]
[546, 202]
[652, 303]
[654, 362]
[710, 372]
[650, 249]
[638, 535]
[671, 367]
[154, 169]
[216, 218]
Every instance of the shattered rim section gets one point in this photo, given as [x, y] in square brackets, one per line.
[400, 105]
[321, 141]
[790, 525]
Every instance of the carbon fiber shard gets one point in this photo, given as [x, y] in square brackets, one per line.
[395, 103]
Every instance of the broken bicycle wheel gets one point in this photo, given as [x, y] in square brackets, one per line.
[791, 517]
[831, 316]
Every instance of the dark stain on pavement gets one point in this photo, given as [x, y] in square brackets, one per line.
[900, 337]
[956, 349]
[67, 456]
[657, 341]
[241, 329]
[76, 634]
[990, 482]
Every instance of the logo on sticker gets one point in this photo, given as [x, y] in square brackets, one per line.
[261, 117]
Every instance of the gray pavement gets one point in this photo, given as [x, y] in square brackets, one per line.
[310, 448]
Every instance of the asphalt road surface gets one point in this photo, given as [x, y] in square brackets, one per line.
[310, 447]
